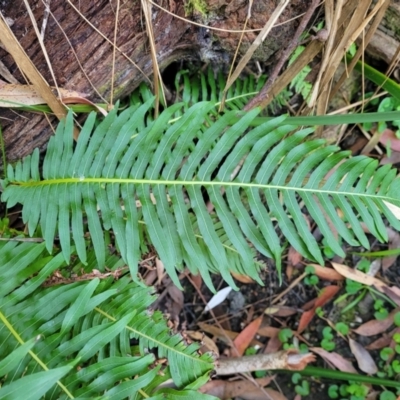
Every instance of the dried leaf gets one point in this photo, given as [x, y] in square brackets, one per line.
[394, 243]
[281, 311]
[294, 257]
[160, 270]
[273, 345]
[268, 331]
[245, 337]
[224, 335]
[326, 273]
[335, 359]
[207, 343]
[229, 389]
[197, 280]
[361, 277]
[376, 327]
[364, 359]
[218, 298]
[12, 95]
[383, 341]
[176, 305]
[389, 136]
[242, 278]
[325, 295]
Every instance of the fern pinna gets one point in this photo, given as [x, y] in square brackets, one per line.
[206, 191]
[72, 340]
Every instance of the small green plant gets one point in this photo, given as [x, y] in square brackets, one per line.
[342, 327]
[327, 341]
[311, 279]
[302, 386]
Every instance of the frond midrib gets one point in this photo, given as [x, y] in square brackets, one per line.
[297, 189]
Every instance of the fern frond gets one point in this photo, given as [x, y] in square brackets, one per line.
[259, 181]
[74, 340]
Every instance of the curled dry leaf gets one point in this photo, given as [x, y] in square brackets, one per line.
[376, 327]
[364, 360]
[335, 359]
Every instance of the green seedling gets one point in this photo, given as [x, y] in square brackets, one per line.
[327, 342]
[284, 336]
[386, 395]
[302, 386]
[342, 328]
[311, 279]
[381, 311]
[333, 391]
[386, 353]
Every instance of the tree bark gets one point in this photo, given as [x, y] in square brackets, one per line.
[82, 59]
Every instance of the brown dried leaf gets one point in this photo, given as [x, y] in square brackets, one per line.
[376, 327]
[324, 297]
[383, 341]
[222, 335]
[335, 359]
[361, 277]
[281, 311]
[389, 136]
[268, 331]
[242, 278]
[394, 243]
[12, 95]
[243, 340]
[273, 345]
[294, 257]
[326, 273]
[229, 389]
[207, 343]
[364, 360]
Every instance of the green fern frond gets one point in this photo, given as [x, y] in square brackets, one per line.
[259, 182]
[74, 340]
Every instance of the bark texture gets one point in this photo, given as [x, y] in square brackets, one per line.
[82, 59]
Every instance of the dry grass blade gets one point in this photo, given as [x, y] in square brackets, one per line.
[114, 50]
[146, 7]
[42, 46]
[25, 64]
[254, 46]
[332, 15]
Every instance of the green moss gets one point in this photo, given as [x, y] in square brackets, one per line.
[196, 6]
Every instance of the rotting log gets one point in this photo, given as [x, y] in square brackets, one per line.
[82, 59]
